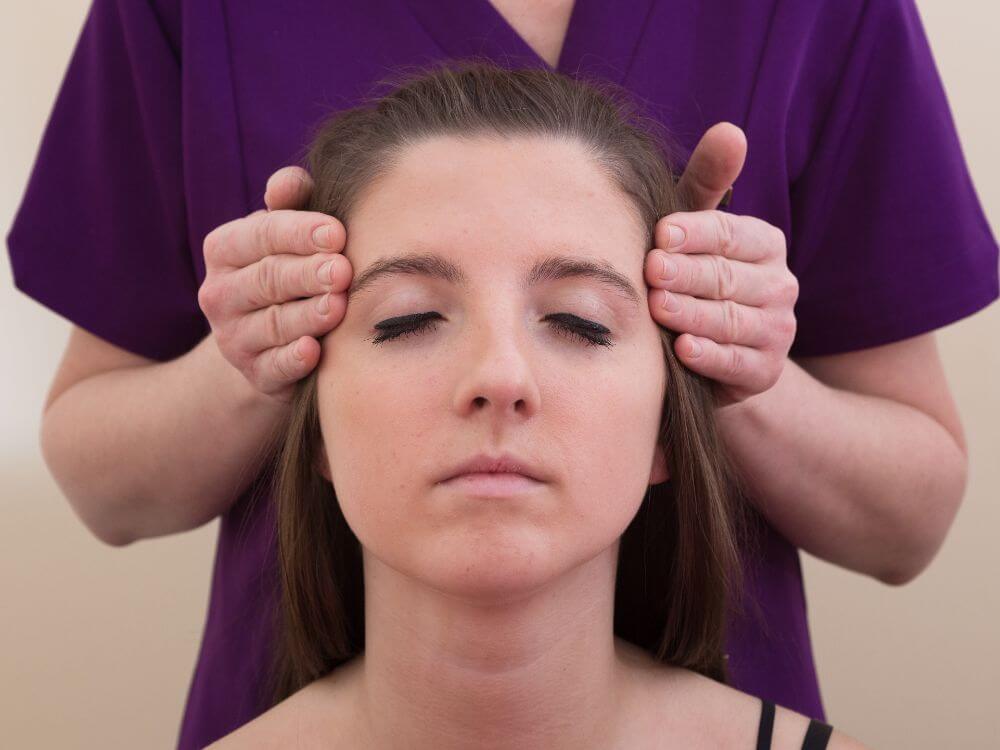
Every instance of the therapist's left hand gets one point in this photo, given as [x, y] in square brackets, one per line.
[731, 295]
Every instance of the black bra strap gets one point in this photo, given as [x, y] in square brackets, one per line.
[766, 725]
[817, 735]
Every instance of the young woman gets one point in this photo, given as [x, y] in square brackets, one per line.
[505, 517]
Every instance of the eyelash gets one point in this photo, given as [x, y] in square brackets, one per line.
[587, 331]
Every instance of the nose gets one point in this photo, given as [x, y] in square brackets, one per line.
[498, 376]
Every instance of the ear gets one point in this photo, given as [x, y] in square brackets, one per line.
[659, 473]
[320, 462]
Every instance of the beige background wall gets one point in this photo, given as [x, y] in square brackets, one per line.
[97, 644]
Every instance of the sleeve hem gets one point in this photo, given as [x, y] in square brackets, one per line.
[925, 317]
[125, 329]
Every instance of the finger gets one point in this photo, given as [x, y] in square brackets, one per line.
[281, 324]
[275, 368]
[246, 240]
[289, 187]
[713, 167]
[709, 277]
[723, 321]
[745, 238]
[276, 279]
[730, 364]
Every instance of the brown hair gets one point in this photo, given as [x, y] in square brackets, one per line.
[679, 558]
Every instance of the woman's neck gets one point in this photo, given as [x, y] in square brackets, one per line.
[538, 670]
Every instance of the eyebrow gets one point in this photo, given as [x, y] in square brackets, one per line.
[550, 268]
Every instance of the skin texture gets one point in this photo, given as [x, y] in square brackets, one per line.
[486, 605]
[884, 486]
[887, 471]
[501, 595]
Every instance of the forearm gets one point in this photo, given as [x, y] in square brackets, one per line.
[153, 450]
[860, 481]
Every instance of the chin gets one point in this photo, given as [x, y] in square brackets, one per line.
[491, 570]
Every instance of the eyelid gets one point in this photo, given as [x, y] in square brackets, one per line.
[588, 332]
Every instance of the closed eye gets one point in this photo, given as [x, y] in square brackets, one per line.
[567, 324]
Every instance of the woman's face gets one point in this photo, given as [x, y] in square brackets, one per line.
[498, 367]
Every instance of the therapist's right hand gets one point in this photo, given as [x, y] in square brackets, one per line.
[258, 270]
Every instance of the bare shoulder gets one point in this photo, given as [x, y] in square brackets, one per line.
[290, 724]
[694, 710]
[314, 718]
[716, 715]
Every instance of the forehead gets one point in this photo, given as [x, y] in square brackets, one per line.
[517, 197]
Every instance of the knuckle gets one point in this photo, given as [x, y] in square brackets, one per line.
[273, 325]
[792, 288]
[788, 325]
[211, 246]
[266, 232]
[208, 298]
[725, 233]
[779, 290]
[725, 277]
[774, 290]
[267, 282]
[736, 364]
[732, 320]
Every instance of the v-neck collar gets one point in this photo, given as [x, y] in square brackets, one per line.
[601, 40]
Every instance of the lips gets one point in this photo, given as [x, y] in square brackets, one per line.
[504, 463]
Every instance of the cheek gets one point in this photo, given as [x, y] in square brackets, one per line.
[375, 441]
[610, 438]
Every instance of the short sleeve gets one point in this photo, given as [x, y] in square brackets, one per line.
[100, 236]
[888, 238]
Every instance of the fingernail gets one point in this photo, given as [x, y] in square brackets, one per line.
[695, 348]
[324, 304]
[323, 236]
[669, 269]
[325, 273]
[676, 235]
[670, 302]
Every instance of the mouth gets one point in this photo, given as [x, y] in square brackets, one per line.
[509, 464]
[493, 484]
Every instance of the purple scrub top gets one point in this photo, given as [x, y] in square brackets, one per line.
[173, 113]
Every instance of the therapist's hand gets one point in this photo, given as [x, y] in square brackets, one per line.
[729, 292]
[275, 282]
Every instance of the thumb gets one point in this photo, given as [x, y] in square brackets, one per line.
[289, 187]
[714, 165]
